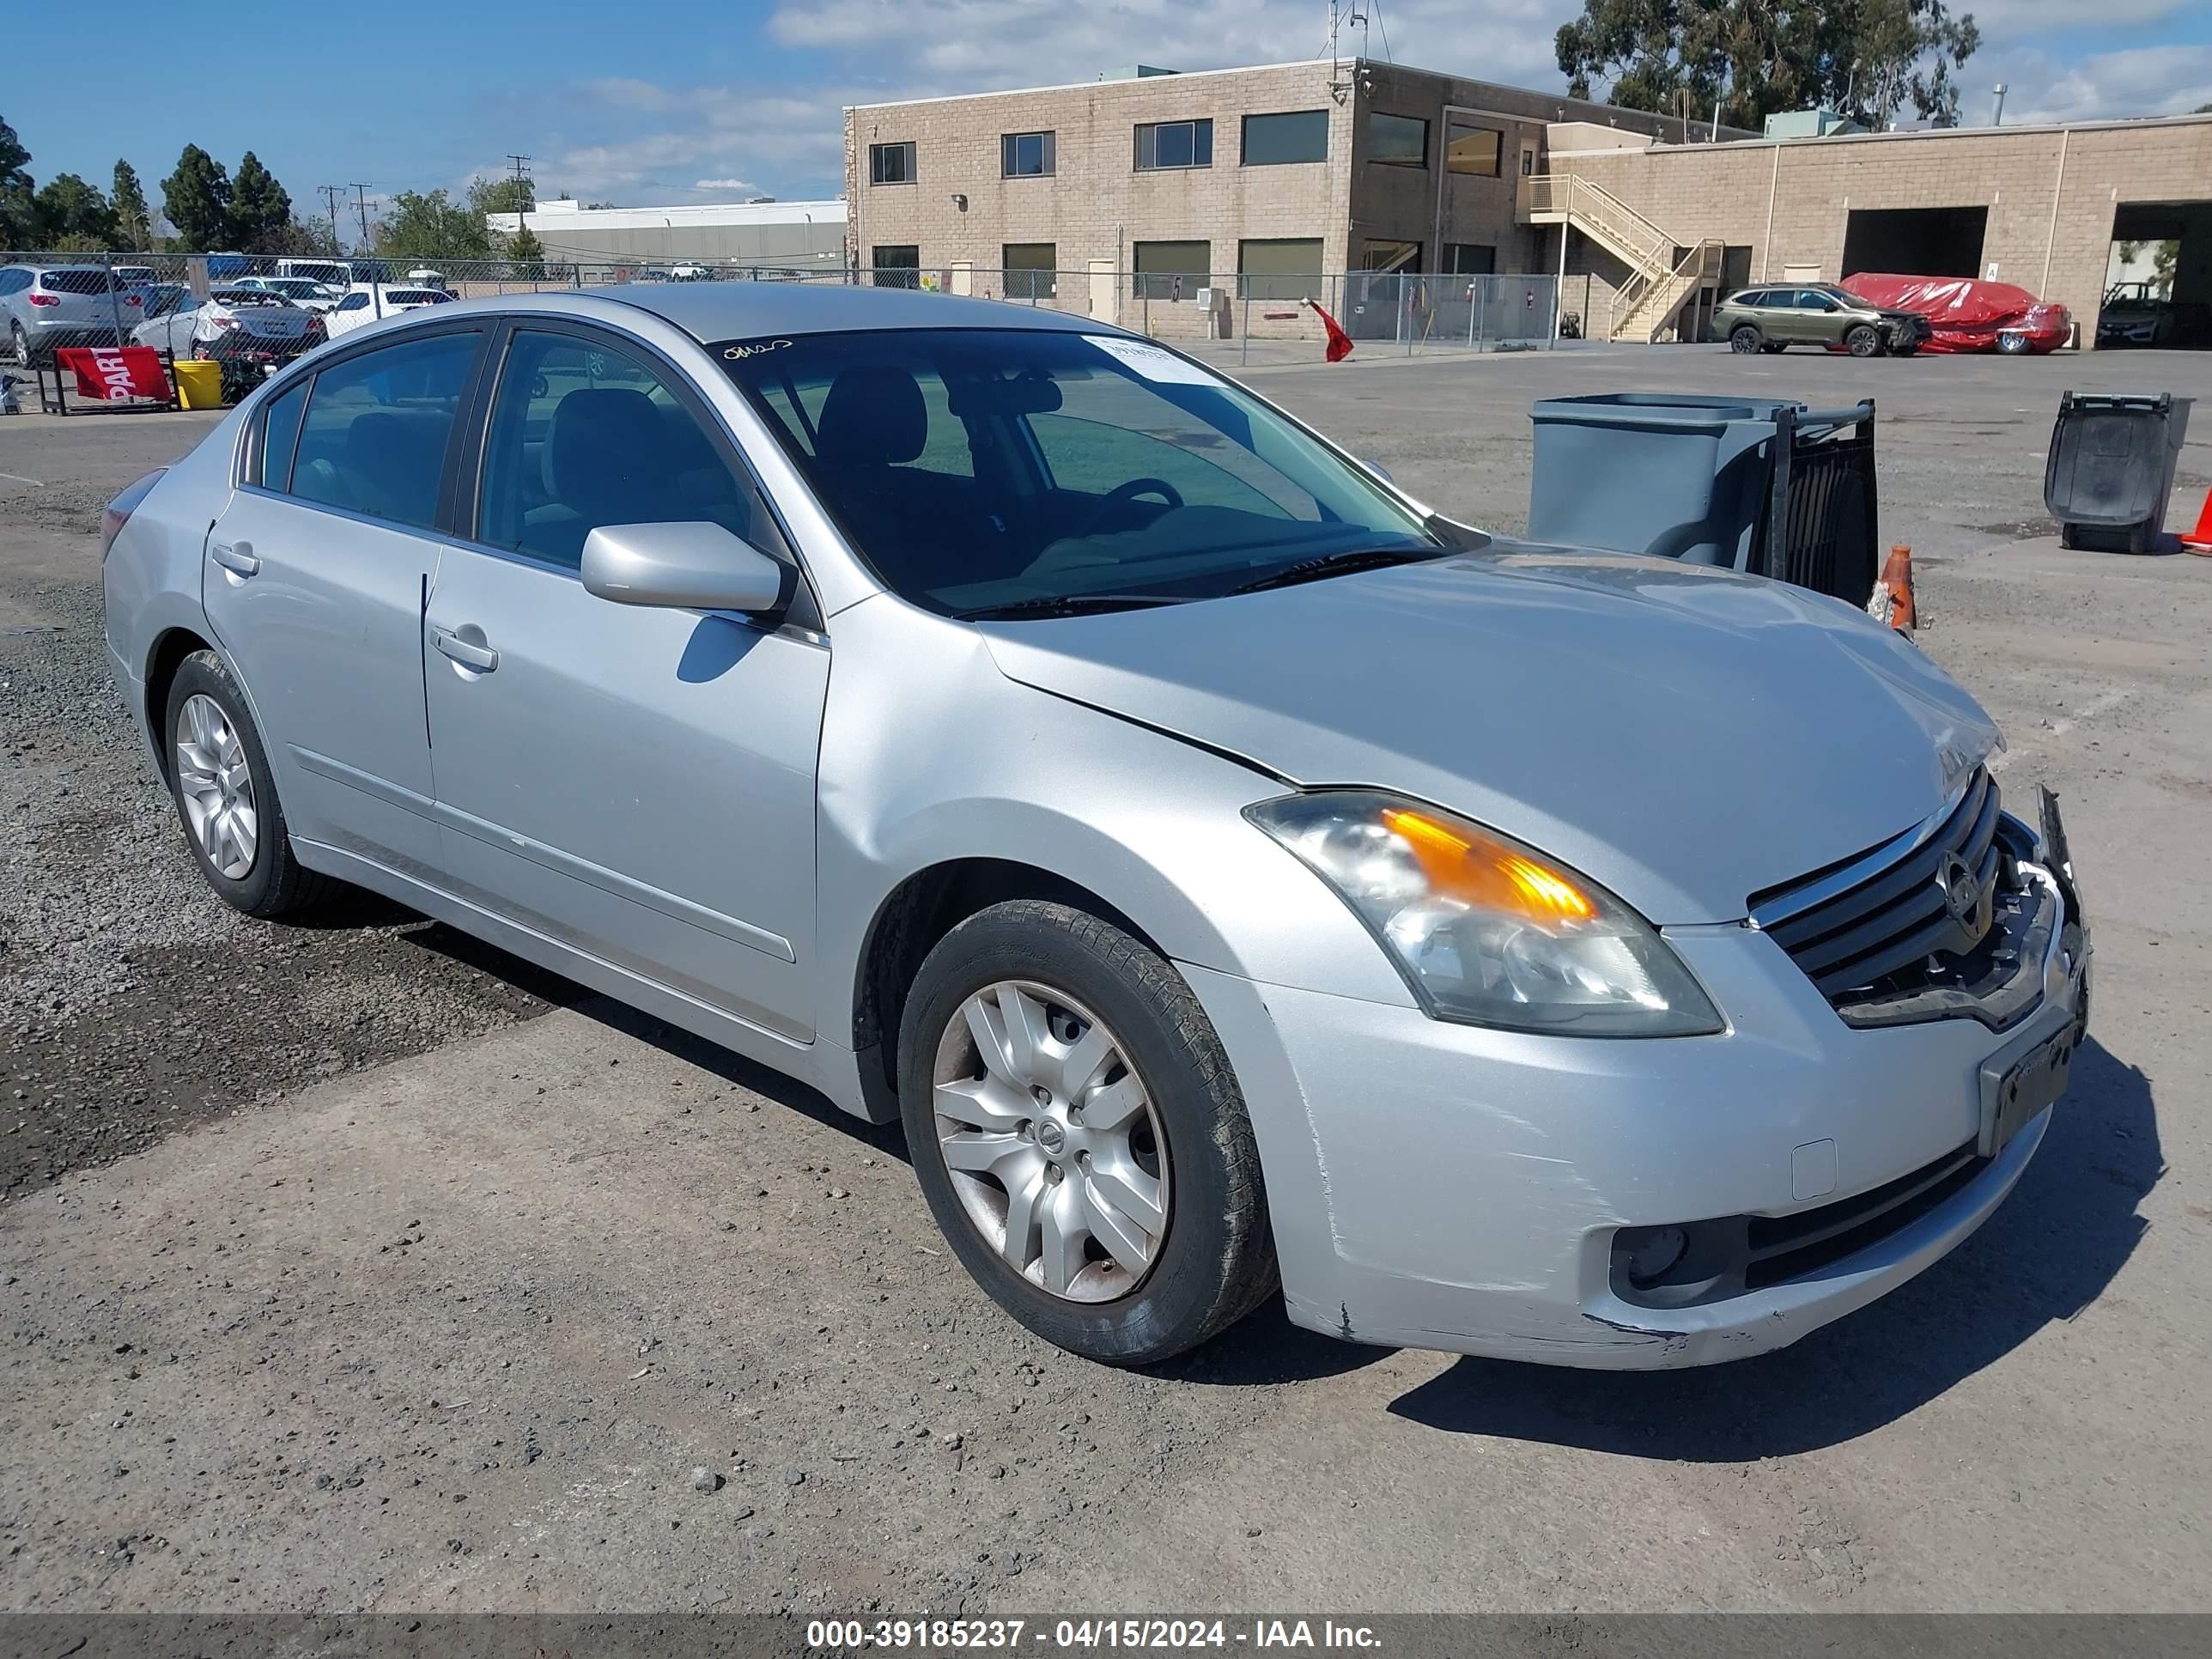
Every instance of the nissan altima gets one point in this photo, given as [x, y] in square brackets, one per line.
[1237, 877]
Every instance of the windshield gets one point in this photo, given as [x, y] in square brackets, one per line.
[979, 469]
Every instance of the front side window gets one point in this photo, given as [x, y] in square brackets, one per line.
[1278, 140]
[1167, 145]
[1477, 151]
[890, 164]
[1399, 141]
[585, 434]
[374, 438]
[1027, 156]
[982, 470]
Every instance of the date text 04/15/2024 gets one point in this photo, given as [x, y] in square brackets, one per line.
[851, 1635]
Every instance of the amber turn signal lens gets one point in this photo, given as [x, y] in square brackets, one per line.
[1474, 867]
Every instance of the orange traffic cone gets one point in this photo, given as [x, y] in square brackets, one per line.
[1893, 595]
[2199, 540]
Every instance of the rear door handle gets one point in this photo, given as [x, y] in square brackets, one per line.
[467, 653]
[237, 557]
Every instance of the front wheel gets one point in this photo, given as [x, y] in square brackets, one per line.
[20, 345]
[2012, 345]
[1745, 340]
[1864, 341]
[1079, 1136]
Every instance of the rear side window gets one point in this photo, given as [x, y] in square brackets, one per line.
[280, 435]
[374, 438]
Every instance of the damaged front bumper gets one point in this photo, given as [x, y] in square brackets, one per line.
[1489, 1191]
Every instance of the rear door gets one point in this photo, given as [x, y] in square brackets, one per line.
[315, 578]
[638, 783]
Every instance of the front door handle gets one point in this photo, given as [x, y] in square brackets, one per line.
[469, 653]
[237, 557]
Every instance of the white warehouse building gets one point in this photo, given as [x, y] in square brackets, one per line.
[777, 238]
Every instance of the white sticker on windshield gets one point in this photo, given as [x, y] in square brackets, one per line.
[1152, 362]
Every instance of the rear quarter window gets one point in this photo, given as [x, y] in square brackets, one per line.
[77, 281]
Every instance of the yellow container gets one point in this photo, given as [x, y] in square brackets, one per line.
[199, 384]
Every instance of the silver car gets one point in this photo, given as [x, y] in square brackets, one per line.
[1233, 874]
[43, 307]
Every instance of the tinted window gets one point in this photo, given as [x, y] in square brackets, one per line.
[1175, 145]
[584, 434]
[1398, 140]
[890, 164]
[980, 468]
[78, 279]
[373, 439]
[280, 435]
[13, 281]
[354, 303]
[1027, 154]
[1275, 140]
[1473, 150]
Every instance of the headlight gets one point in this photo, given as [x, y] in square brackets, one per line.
[1486, 930]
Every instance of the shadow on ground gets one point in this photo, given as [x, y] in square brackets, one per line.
[2047, 1254]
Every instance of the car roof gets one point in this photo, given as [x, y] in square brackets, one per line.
[728, 311]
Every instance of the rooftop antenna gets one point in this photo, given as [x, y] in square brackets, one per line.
[1339, 83]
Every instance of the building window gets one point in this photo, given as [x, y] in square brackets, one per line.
[1528, 162]
[1378, 254]
[1278, 268]
[1030, 269]
[1173, 270]
[898, 265]
[1397, 141]
[1277, 140]
[1175, 145]
[1475, 150]
[890, 164]
[1470, 259]
[1026, 155]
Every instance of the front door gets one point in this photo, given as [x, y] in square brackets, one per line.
[637, 783]
[313, 581]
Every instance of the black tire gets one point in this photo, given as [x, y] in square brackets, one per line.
[2012, 345]
[1745, 340]
[19, 345]
[277, 883]
[1864, 341]
[1215, 1262]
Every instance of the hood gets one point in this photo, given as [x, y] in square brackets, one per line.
[1687, 736]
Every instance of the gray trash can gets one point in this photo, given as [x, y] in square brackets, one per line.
[1760, 484]
[2111, 469]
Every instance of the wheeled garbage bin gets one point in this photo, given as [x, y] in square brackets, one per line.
[1759, 484]
[2111, 469]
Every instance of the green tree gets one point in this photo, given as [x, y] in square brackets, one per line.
[504, 195]
[427, 225]
[134, 225]
[195, 198]
[260, 211]
[74, 214]
[17, 217]
[1871, 59]
[527, 255]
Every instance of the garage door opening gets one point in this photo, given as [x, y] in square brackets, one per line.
[2158, 284]
[1917, 242]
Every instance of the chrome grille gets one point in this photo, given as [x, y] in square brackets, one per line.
[1875, 921]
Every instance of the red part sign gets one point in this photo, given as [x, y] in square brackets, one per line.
[115, 375]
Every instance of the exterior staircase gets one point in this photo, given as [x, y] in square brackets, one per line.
[1660, 281]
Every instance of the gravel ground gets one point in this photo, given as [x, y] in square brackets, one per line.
[461, 1275]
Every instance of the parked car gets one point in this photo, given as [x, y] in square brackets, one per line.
[1773, 318]
[137, 276]
[173, 312]
[302, 291]
[1146, 851]
[249, 330]
[335, 274]
[46, 306]
[365, 302]
[2149, 321]
[689, 272]
[1967, 313]
[423, 277]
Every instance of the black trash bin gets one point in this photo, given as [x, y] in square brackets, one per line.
[1760, 484]
[2111, 469]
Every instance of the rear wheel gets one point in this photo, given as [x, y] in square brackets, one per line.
[1745, 340]
[20, 345]
[225, 798]
[1864, 341]
[2012, 345]
[1079, 1137]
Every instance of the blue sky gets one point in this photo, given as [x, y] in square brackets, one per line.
[669, 100]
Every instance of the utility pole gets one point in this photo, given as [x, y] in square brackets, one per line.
[329, 193]
[518, 166]
[360, 203]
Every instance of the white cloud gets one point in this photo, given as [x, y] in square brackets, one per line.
[726, 184]
[2138, 81]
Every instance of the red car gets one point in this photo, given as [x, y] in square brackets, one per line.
[1969, 314]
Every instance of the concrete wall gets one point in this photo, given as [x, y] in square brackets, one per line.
[2051, 192]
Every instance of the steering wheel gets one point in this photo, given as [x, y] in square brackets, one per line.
[1122, 494]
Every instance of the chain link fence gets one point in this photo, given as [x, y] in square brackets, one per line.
[215, 305]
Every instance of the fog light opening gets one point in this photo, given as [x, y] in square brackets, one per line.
[1650, 1253]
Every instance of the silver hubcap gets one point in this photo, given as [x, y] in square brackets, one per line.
[1052, 1142]
[216, 786]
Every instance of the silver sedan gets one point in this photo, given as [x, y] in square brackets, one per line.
[1235, 874]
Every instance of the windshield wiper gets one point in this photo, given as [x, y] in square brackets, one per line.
[1340, 564]
[1069, 605]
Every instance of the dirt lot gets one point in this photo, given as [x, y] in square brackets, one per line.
[360, 1267]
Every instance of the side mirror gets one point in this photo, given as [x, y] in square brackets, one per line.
[689, 567]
